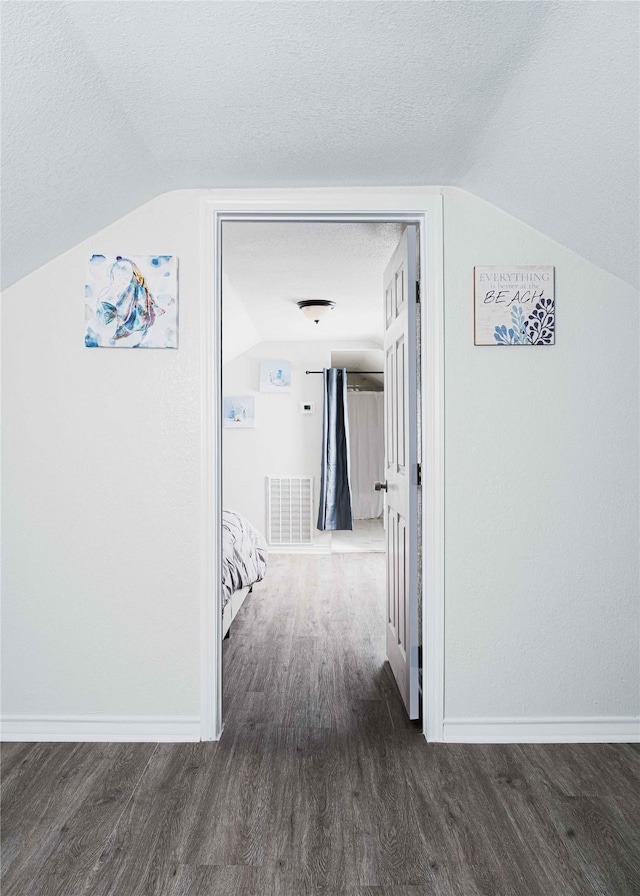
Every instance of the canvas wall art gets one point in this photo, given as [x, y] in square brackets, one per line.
[239, 411]
[514, 305]
[275, 376]
[132, 301]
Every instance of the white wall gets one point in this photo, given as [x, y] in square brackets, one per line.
[101, 470]
[284, 441]
[541, 508]
[240, 332]
[101, 498]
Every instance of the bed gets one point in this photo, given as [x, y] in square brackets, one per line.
[244, 562]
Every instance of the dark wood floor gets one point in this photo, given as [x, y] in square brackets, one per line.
[319, 784]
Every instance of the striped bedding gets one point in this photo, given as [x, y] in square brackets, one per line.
[244, 554]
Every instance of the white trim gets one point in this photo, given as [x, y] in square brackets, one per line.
[433, 549]
[552, 730]
[100, 728]
[299, 549]
[211, 531]
[420, 205]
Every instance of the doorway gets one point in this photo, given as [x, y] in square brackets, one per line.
[215, 213]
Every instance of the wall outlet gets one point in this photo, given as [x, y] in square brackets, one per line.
[307, 407]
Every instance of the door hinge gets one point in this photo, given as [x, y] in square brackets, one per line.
[419, 474]
[417, 292]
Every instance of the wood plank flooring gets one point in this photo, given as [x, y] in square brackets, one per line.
[319, 785]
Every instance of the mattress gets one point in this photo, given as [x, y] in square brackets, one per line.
[244, 554]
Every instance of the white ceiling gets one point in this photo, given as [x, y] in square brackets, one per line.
[532, 105]
[272, 266]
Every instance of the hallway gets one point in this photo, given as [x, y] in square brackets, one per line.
[319, 785]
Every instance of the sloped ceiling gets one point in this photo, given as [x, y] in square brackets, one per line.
[534, 106]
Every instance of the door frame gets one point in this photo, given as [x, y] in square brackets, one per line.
[407, 205]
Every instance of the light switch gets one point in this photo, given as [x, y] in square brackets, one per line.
[307, 407]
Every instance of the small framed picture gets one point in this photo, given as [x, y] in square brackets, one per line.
[239, 412]
[514, 305]
[275, 376]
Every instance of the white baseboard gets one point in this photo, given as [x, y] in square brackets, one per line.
[99, 728]
[180, 729]
[299, 549]
[553, 730]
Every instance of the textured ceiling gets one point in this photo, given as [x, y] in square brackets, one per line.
[533, 106]
[272, 266]
[562, 151]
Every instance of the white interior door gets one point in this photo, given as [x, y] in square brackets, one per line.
[401, 466]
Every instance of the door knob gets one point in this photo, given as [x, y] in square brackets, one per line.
[381, 486]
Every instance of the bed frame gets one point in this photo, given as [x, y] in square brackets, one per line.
[233, 606]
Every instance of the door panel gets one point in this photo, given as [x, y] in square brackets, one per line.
[389, 397]
[391, 586]
[400, 424]
[401, 497]
[402, 584]
[389, 299]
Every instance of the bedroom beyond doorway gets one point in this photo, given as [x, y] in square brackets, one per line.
[305, 459]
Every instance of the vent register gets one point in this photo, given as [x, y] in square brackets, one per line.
[290, 510]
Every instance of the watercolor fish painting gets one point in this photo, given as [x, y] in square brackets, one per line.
[132, 301]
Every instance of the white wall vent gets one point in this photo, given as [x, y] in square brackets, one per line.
[290, 509]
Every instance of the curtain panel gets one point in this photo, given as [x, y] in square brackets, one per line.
[334, 511]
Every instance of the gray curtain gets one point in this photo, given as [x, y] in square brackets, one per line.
[335, 490]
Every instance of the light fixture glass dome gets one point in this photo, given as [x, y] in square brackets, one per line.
[314, 309]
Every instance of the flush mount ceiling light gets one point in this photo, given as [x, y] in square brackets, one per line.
[314, 309]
